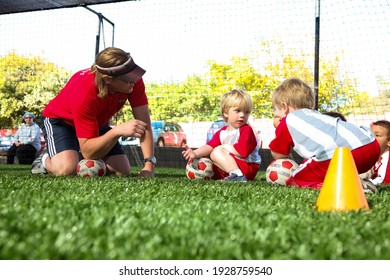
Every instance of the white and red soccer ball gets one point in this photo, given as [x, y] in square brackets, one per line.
[280, 170]
[91, 168]
[200, 169]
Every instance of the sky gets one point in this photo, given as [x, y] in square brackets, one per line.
[173, 39]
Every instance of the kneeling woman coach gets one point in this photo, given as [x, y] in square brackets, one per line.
[77, 119]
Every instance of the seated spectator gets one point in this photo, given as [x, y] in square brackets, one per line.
[27, 141]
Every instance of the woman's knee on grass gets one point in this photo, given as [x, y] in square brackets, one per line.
[64, 170]
[63, 164]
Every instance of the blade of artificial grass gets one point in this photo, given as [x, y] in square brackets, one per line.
[172, 217]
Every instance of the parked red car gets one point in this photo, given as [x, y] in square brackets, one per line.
[168, 134]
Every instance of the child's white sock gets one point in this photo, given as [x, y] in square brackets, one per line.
[238, 172]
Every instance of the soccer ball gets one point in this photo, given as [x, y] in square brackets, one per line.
[280, 170]
[91, 168]
[200, 168]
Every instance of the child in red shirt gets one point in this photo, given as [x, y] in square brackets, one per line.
[380, 173]
[233, 149]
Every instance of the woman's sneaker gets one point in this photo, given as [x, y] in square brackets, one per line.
[37, 166]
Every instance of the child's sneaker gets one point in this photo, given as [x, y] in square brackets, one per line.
[368, 186]
[235, 178]
[37, 166]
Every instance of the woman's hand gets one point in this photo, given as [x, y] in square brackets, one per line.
[132, 128]
[145, 173]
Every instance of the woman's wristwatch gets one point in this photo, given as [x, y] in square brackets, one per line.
[151, 159]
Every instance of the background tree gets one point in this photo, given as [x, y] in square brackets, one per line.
[26, 84]
[336, 90]
[197, 98]
[239, 74]
[364, 103]
[191, 100]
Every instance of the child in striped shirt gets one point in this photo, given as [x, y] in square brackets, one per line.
[314, 136]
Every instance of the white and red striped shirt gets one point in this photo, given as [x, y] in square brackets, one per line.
[381, 170]
[315, 136]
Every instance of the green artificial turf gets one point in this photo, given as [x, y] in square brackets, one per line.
[171, 217]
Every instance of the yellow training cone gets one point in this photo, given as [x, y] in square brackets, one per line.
[342, 189]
